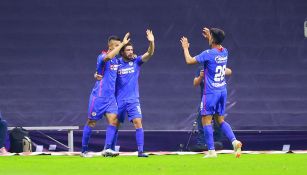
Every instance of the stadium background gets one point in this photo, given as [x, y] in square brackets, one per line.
[48, 51]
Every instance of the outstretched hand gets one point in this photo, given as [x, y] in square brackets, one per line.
[126, 38]
[206, 33]
[150, 35]
[185, 43]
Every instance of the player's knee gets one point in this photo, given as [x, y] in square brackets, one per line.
[206, 120]
[220, 120]
[91, 123]
[206, 123]
[114, 122]
[137, 123]
[112, 119]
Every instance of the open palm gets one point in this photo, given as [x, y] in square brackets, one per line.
[150, 35]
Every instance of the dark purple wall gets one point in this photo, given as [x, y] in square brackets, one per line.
[48, 51]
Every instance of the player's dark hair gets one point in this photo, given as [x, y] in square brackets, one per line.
[218, 35]
[113, 37]
[124, 47]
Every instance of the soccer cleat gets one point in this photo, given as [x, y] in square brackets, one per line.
[211, 154]
[142, 154]
[109, 153]
[3, 151]
[86, 155]
[237, 145]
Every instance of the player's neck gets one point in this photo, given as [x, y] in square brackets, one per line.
[217, 46]
[126, 59]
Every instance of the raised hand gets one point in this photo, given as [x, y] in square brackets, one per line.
[185, 43]
[206, 33]
[150, 35]
[126, 38]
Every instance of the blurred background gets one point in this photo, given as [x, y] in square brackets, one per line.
[48, 52]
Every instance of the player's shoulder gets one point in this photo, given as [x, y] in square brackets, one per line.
[119, 59]
[101, 56]
[138, 58]
[209, 52]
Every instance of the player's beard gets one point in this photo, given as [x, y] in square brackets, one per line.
[130, 56]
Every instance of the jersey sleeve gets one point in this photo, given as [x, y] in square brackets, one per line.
[100, 64]
[139, 60]
[203, 57]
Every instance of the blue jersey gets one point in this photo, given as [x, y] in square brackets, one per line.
[127, 84]
[106, 86]
[214, 62]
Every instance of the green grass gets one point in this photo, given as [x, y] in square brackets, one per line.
[279, 164]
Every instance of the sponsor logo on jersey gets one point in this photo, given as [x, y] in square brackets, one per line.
[128, 70]
[218, 84]
[220, 59]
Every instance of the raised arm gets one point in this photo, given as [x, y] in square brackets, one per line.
[146, 56]
[116, 50]
[185, 45]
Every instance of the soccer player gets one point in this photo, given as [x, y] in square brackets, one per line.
[127, 89]
[214, 98]
[102, 100]
[199, 81]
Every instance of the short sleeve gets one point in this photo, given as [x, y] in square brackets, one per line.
[203, 57]
[100, 63]
[139, 60]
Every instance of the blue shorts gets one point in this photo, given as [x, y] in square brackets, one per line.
[99, 106]
[130, 107]
[214, 103]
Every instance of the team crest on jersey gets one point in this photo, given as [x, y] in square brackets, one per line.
[94, 114]
[220, 59]
[130, 63]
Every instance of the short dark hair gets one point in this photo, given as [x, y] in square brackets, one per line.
[114, 37]
[124, 47]
[218, 35]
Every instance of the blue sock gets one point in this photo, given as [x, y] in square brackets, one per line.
[139, 135]
[87, 131]
[114, 140]
[3, 132]
[225, 127]
[110, 133]
[208, 133]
